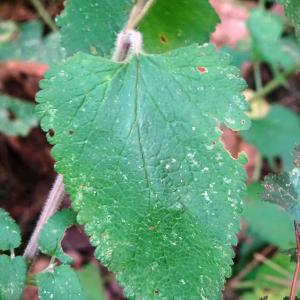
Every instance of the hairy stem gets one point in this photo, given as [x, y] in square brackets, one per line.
[297, 269]
[127, 41]
[43, 13]
[51, 206]
[138, 12]
[128, 38]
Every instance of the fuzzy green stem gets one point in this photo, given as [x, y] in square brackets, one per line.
[257, 76]
[129, 38]
[262, 4]
[43, 13]
[279, 80]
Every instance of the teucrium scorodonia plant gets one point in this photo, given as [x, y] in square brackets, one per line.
[138, 144]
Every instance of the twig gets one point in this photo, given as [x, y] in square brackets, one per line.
[275, 83]
[297, 269]
[255, 262]
[43, 13]
[280, 281]
[271, 264]
[52, 204]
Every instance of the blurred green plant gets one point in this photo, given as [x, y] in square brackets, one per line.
[54, 282]
[17, 117]
[27, 43]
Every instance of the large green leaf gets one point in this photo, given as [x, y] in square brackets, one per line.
[17, 117]
[53, 233]
[266, 30]
[180, 23]
[12, 277]
[91, 26]
[60, 284]
[292, 10]
[276, 135]
[139, 146]
[267, 220]
[10, 236]
[28, 43]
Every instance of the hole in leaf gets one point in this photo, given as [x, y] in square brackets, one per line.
[11, 115]
[163, 39]
[156, 292]
[71, 132]
[51, 133]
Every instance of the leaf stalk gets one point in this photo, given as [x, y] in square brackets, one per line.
[297, 269]
[43, 13]
[275, 83]
[129, 38]
[52, 204]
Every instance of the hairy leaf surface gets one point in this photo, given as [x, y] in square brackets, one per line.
[138, 145]
[12, 277]
[91, 26]
[17, 117]
[292, 10]
[10, 236]
[284, 190]
[62, 284]
[53, 233]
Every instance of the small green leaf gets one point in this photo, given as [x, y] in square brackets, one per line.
[53, 233]
[10, 236]
[12, 276]
[267, 220]
[91, 282]
[60, 284]
[292, 10]
[266, 30]
[138, 144]
[17, 117]
[276, 135]
[31, 45]
[284, 190]
[91, 26]
[182, 23]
